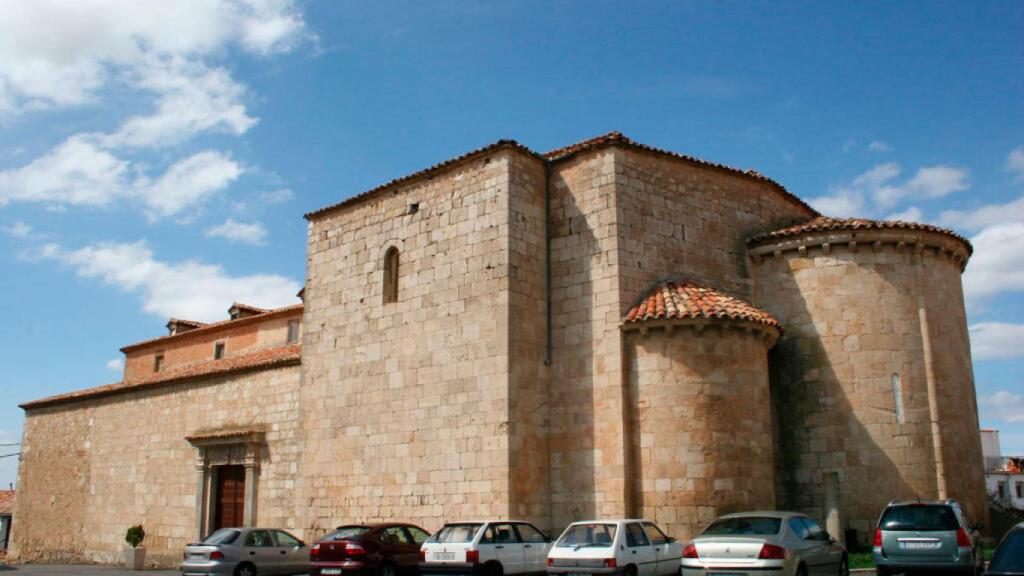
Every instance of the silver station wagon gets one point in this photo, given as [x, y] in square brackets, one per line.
[246, 552]
[932, 535]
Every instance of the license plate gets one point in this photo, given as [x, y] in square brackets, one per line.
[918, 545]
[330, 571]
[724, 574]
[442, 556]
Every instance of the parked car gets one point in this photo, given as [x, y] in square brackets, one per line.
[933, 535]
[628, 547]
[1008, 559]
[246, 552]
[368, 550]
[758, 543]
[489, 548]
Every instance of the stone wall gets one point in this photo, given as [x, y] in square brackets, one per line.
[702, 429]
[92, 468]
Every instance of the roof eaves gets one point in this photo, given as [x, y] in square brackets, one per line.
[213, 326]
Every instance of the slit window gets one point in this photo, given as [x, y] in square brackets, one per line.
[293, 331]
[218, 350]
[158, 362]
[391, 275]
[897, 398]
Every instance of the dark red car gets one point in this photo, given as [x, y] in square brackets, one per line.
[368, 550]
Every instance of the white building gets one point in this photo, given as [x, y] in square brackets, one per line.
[1004, 476]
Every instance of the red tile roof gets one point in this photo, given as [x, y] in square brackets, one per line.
[611, 138]
[238, 306]
[213, 326]
[826, 224]
[672, 300]
[268, 358]
[7, 501]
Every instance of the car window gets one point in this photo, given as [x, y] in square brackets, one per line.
[635, 535]
[456, 533]
[285, 539]
[1009, 556]
[919, 518]
[258, 539]
[655, 534]
[757, 525]
[345, 532]
[579, 535]
[499, 534]
[222, 536]
[418, 536]
[529, 534]
[814, 530]
[797, 527]
[395, 535]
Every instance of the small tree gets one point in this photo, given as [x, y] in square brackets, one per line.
[135, 535]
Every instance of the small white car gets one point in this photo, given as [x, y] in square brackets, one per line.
[627, 547]
[485, 548]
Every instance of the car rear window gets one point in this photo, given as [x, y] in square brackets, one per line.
[1009, 556]
[919, 518]
[761, 525]
[222, 536]
[346, 532]
[456, 533]
[580, 535]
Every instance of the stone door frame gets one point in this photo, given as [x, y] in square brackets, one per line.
[215, 449]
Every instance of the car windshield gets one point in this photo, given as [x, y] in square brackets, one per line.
[456, 533]
[759, 525]
[1009, 556]
[580, 535]
[345, 532]
[919, 518]
[222, 536]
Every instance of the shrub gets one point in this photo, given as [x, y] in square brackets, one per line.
[135, 535]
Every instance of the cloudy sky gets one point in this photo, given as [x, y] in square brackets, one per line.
[156, 158]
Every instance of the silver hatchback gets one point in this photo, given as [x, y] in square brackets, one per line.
[246, 552]
[933, 535]
[759, 543]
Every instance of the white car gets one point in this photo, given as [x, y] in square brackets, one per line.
[487, 548]
[627, 547]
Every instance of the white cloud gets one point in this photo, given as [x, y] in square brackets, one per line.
[911, 214]
[188, 289]
[879, 146]
[115, 365]
[75, 172]
[55, 53]
[253, 233]
[1002, 405]
[1015, 162]
[984, 216]
[189, 182]
[875, 189]
[276, 196]
[998, 261]
[18, 230]
[996, 340]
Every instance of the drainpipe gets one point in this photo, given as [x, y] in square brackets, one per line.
[933, 399]
[547, 259]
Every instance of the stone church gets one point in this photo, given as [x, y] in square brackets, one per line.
[604, 330]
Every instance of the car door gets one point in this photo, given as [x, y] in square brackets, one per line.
[399, 547]
[535, 547]
[819, 555]
[666, 553]
[639, 550]
[294, 554]
[260, 549]
[500, 542]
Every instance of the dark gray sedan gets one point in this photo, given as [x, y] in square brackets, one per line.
[246, 552]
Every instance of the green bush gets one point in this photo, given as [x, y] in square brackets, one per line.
[135, 535]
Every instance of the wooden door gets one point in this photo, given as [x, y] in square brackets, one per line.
[230, 497]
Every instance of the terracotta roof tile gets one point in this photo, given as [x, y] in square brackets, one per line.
[270, 357]
[213, 326]
[826, 224]
[7, 501]
[217, 434]
[671, 300]
[561, 154]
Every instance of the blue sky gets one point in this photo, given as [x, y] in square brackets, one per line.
[155, 159]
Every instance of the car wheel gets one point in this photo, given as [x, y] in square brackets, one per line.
[801, 570]
[387, 570]
[630, 570]
[493, 569]
[844, 567]
[882, 571]
[245, 570]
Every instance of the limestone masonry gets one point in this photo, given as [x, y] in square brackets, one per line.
[604, 330]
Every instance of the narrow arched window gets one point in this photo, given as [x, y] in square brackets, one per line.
[897, 398]
[391, 275]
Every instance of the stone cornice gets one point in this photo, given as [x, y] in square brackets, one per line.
[710, 327]
[900, 240]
